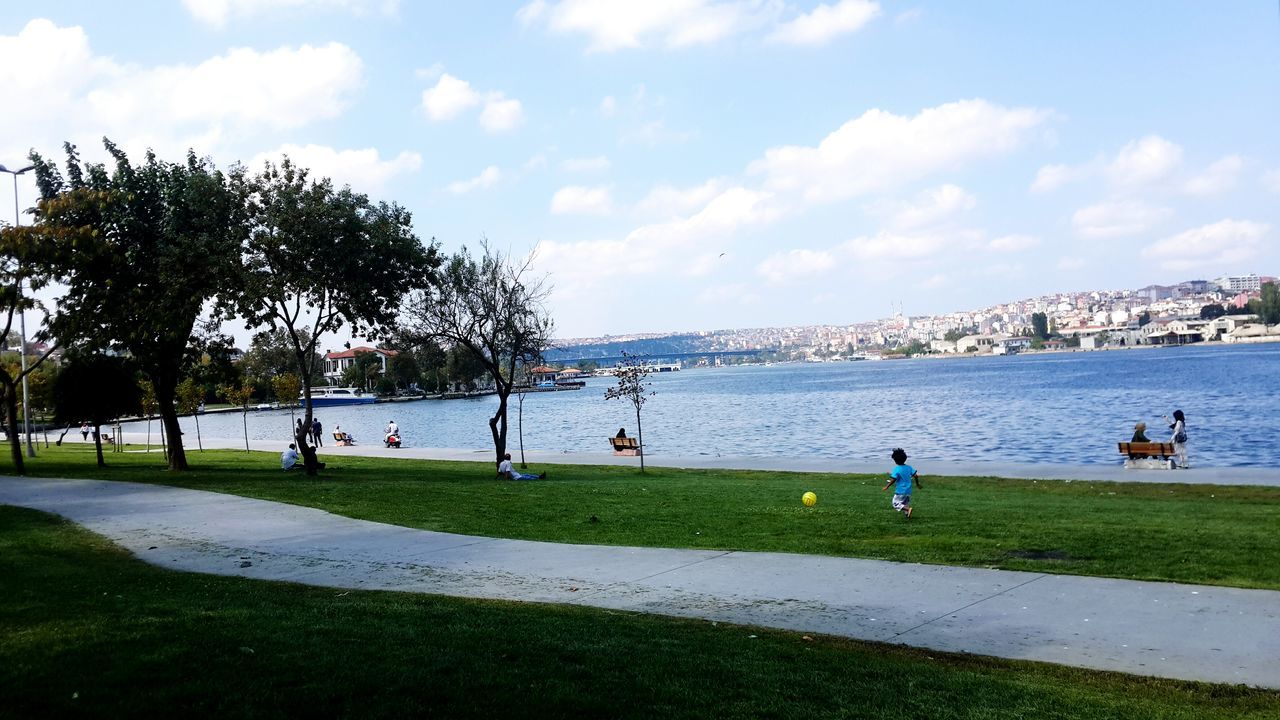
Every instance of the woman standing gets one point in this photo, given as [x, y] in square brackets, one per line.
[1179, 437]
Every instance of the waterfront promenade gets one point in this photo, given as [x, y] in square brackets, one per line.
[1166, 630]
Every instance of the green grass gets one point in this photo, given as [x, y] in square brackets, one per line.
[88, 631]
[1188, 533]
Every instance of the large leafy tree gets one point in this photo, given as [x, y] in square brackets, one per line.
[1269, 304]
[152, 244]
[492, 308]
[319, 258]
[99, 388]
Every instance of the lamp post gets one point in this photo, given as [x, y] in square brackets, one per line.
[22, 320]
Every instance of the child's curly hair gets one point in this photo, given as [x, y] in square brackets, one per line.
[899, 455]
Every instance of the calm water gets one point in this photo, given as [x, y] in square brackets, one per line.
[1063, 408]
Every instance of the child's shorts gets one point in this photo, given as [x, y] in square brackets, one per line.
[901, 502]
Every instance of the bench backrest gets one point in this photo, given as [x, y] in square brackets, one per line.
[624, 443]
[1147, 448]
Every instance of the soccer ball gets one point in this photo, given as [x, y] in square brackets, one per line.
[809, 499]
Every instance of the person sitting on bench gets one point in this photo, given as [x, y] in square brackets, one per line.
[342, 438]
[1140, 433]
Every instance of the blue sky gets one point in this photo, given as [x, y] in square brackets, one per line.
[698, 164]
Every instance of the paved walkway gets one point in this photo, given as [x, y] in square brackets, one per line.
[1113, 472]
[1161, 629]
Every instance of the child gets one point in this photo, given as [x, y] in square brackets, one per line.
[903, 475]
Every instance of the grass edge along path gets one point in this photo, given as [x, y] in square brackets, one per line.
[1199, 534]
[86, 630]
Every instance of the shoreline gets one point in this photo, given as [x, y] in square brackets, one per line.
[1258, 476]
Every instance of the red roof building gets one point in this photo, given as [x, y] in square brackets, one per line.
[336, 363]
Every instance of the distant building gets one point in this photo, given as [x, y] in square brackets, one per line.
[1239, 283]
[336, 363]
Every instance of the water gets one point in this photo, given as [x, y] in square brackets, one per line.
[1069, 408]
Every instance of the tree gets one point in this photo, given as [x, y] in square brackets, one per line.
[99, 388]
[318, 258]
[153, 243]
[402, 368]
[239, 396]
[189, 397]
[271, 354]
[1212, 311]
[462, 367]
[364, 370]
[1040, 325]
[1269, 305]
[147, 403]
[588, 366]
[1144, 319]
[286, 387]
[631, 374]
[208, 360]
[493, 309]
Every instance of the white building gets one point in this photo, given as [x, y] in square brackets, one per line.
[1239, 283]
[336, 363]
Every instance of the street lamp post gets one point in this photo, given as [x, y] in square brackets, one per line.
[22, 321]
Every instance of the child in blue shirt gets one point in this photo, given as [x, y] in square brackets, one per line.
[903, 475]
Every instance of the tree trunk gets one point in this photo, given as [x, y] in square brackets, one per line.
[11, 422]
[244, 415]
[148, 432]
[195, 415]
[169, 423]
[97, 443]
[640, 438]
[521, 430]
[498, 424]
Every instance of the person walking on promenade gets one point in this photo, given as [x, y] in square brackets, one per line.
[315, 432]
[84, 431]
[1178, 436]
[902, 475]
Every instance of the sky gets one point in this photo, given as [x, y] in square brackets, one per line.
[681, 165]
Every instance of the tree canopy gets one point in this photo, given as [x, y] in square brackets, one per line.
[153, 243]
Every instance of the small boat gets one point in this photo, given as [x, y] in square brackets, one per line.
[330, 396]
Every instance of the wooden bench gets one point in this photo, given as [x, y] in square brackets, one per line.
[342, 439]
[1147, 450]
[625, 446]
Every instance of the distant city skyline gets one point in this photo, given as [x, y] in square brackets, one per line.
[711, 163]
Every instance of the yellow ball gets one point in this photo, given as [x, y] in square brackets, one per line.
[809, 499]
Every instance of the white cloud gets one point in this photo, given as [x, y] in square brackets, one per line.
[1067, 264]
[486, 179]
[536, 162]
[608, 106]
[1209, 248]
[795, 265]
[611, 25]
[73, 94]
[908, 16]
[880, 150]
[892, 246]
[217, 12]
[932, 208]
[1052, 177]
[448, 98]
[501, 113]
[1117, 219]
[596, 164]
[936, 280]
[578, 200]
[733, 293]
[1217, 178]
[668, 201]
[826, 22]
[1013, 243]
[1271, 181]
[362, 169]
[1145, 161]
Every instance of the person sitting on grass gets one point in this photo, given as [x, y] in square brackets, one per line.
[507, 472]
[1140, 433]
[289, 458]
[903, 475]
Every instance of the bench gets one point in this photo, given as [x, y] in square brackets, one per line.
[343, 439]
[625, 446]
[1147, 455]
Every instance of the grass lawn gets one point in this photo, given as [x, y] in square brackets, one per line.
[86, 630]
[1188, 533]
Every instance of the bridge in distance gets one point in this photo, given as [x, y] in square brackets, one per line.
[660, 357]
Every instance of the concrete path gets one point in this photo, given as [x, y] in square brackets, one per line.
[1096, 473]
[1160, 629]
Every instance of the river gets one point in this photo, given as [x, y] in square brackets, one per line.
[1061, 408]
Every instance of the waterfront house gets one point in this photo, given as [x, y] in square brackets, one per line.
[336, 363]
[541, 374]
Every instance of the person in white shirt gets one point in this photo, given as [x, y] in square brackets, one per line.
[391, 429]
[1178, 436]
[289, 458]
[508, 472]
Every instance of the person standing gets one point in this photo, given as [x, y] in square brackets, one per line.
[315, 432]
[1178, 436]
[84, 431]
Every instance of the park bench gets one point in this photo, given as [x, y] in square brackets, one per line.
[625, 446]
[1147, 455]
[342, 439]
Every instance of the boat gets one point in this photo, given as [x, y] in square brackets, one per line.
[331, 396]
